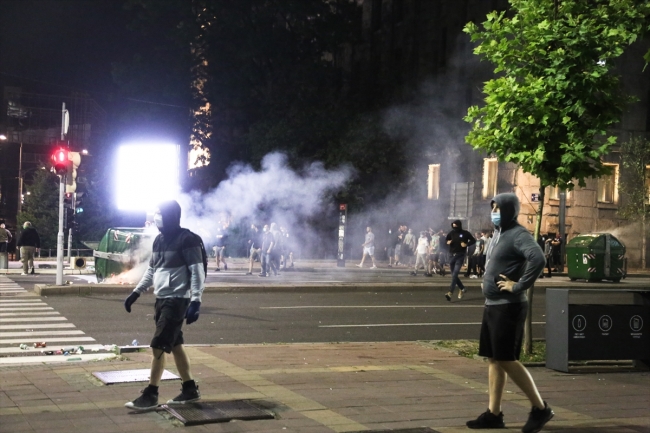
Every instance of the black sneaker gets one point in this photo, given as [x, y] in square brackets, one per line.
[147, 401]
[414, 274]
[448, 296]
[487, 420]
[537, 418]
[189, 393]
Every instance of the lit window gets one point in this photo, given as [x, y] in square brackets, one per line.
[433, 184]
[553, 193]
[490, 172]
[608, 186]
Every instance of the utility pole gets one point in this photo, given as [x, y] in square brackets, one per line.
[59, 236]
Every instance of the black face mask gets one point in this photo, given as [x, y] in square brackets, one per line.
[456, 228]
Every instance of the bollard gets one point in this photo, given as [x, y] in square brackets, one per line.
[4, 261]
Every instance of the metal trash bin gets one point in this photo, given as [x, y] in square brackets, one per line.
[595, 257]
[122, 249]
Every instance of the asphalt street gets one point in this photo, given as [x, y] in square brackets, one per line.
[285, 309]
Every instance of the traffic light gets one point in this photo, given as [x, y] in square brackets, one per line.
[60, 161]
[71, 179]
[68, 200]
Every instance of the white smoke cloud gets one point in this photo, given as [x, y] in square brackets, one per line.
[276, 193]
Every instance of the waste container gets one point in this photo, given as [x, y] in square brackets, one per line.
[595, 257]
[121, 250]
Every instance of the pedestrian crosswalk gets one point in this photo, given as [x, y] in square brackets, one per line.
[26, 319]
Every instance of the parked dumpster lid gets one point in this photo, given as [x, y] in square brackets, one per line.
[595, 240]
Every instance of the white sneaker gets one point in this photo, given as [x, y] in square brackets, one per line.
[22, 273]
[373, 267]
[473, 276]
[359, 266]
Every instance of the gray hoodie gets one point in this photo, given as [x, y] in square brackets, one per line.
[513, 252]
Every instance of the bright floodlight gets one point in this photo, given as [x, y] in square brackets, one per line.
[146, 175]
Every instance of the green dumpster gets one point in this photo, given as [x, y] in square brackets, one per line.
[123, 249]
[595, 257]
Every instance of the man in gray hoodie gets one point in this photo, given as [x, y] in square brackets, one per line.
[514, 260]
[176, 271]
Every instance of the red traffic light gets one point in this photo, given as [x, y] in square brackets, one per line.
[60, 161]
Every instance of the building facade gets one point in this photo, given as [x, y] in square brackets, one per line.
[414, 52]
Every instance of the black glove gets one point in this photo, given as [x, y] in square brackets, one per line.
[130, 300]
[192, 314]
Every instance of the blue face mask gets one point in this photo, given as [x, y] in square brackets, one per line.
[496, 218]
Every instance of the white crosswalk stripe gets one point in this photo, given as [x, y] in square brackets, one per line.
[25, 319]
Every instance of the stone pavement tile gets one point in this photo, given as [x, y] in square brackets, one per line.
[14, 427]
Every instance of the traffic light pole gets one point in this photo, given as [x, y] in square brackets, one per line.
[59, 236]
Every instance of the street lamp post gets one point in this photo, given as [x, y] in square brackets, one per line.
[20, 181]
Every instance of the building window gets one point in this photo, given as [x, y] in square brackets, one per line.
[553, 193]
[376, 14]
[490, 173]
[608, 186]
[433, 183]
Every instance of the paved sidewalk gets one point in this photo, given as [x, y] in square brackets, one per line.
[342, 387]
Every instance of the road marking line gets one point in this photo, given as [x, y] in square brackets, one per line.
[39, 326]
[37, 333]
[27, 313]
[24, 304]
[32, 319]
[26, 309]
[46, 339]
[5, 301]
[377, 325]
[297, 307]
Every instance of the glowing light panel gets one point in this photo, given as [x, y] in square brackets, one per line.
[146, 175]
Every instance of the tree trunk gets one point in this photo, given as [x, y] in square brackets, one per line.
[643, 238]
[528, 326]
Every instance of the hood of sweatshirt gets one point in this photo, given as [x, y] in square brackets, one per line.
[171, 216]
[458, 224]
[509, 206]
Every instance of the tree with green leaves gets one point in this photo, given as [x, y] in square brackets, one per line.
[41, 207]
[555, 95]
[635, 159]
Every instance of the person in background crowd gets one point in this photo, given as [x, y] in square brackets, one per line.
[177, 271]
[390, 249]
[220, 250]
[267, 245]
[434, 248]
[399, 239]
[254, 247]
[443, 250]
[481, 259]
[408, 247]
[30, 243]
[368, 248]
[556, 253]
[458, 241]
[5, 238]
[544, 243]
[468, 259]
[514, 261]
[422, 251]
[475, 258]
[276, 250]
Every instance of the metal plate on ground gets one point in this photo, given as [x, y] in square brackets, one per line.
[217, 411]
[124, 376]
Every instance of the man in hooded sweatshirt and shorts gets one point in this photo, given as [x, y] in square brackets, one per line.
[513, 262]
[177, 271]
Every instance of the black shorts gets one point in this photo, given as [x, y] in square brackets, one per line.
[169, 316]
[502, 331]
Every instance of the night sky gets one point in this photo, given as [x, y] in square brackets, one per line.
[59, 46]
